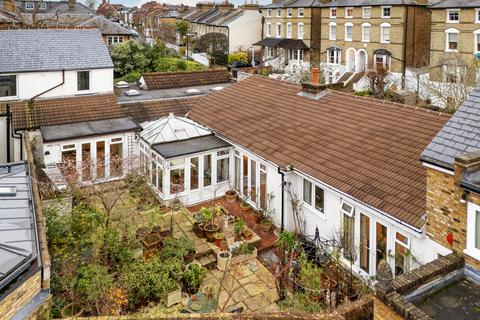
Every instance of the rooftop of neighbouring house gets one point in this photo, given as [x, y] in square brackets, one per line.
[18, 234]
[182, 79]
[106, 27]
[364, 147]
[460, 135]
[53, 7]
[165, 94]
[35, 50]
[456, 4]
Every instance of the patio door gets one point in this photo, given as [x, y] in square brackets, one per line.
[380, 243]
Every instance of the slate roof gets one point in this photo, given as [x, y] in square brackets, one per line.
[52, 49]
[181, 79]
[191, 146]
[106, 26]
[457, 4]
[143, 111]
[361, 3]
[363, 147]
[291, 4]
[46, 112]
[285, 43]
[460, 135]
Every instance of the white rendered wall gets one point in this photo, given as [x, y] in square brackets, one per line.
[245, 31]
[29, 84]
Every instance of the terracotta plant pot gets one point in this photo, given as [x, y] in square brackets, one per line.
[245, 209]
[231, 196]
[266, 225]
[218, 239]
[247, 234]
[223, 260]
[258, 214]
[210, 230]
[198, 229]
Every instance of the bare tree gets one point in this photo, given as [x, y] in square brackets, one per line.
[448, 84]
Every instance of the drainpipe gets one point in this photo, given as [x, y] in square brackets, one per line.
[48, 90]
[405, 30]
[280, 172]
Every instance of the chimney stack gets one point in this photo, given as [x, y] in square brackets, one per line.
[315, 75]
[9, 5]
[71, 5]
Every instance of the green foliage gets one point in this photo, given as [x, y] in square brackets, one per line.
[147, 281]
[176, 64]
[220, 59]
[130, 56]
[301, 301]
[117, 250]
[238, 226]
[182, 27]
[206, 213]
[246, 248]
[310, 275]
[176, 248]
[194, 276]
[238, 57]
[92, 285]
[287, 241]
[133, 76]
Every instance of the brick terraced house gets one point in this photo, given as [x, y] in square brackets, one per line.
[291, 35]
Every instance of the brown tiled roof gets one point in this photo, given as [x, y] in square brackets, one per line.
[366, 148]
[142, 111]
[46, 112]
[169, 80]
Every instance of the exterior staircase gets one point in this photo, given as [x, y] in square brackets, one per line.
[349, 79]
[345, 77]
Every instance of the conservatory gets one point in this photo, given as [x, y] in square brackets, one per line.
[184, 160]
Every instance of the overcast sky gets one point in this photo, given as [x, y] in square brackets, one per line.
[138, 3]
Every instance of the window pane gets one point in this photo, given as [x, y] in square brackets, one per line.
[263, 189]
[207, 170]
[160, 179]
[307, 191]
[100, 159]
[8, 86]
[154, 172]
[365, 243]
[83, 80]
[245, 176]
[402, 260]
[319, 198]
[177, 179]
[381, 242]
[477, 229]
[237, 173]
[116, 159]
[177, 162]
[253, 180]
[222, 169]
[86, 162]
[194, 173]
[348, 237]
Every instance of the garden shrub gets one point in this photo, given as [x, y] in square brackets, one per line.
[133, 76]
[241, 57]
[176, 248]
[92, 285]
[193, 276]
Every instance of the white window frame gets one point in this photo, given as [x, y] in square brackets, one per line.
[346, 12]
[289, 30]
[383, 12]
[470, 245]
[311, 206]
[269, 13]
[334, 9]
[351, 212]
[331, 35]
[451, 31]
[222, 157]
[279, 13]
[382, 32]
[89, 82]
[476, 33]
[365, 25]
[337, 56]
[269, 29]
[364, 9]
[30, 6]
[346, 26]
[277, 33]
[289, 12]
[451, 11]
[43, 6]
[301, 12]
[301, 34]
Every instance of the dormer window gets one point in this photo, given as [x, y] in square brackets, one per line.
[29, 6]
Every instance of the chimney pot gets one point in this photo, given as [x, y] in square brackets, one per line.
[315, 75]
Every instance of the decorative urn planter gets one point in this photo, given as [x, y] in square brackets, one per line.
[231, 196]
[223, 260]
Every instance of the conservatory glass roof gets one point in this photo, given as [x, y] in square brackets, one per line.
[18, 238]
[170, 129]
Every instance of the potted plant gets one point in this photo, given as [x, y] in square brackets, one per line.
[209, 291]
[218, 236]
[198, 225]
[266, 225]
[223, 260]
[231, 196]
[247, 234]
[210, 229]
[238, 228]
[258, 215]
[219, 211]
[245, 206]
[193, 277]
